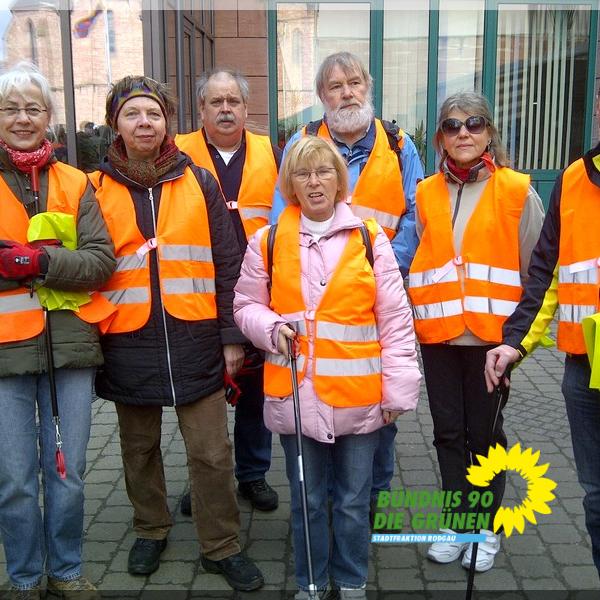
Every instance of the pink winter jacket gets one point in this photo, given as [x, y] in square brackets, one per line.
[401, 376]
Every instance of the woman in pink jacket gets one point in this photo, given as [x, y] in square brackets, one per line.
[336, 289]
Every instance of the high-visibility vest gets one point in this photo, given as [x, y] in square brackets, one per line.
[183, 246]
[379, 193]
[491, 288]
[347, 353]
[259, 176]
[578, 256]
[21, 315]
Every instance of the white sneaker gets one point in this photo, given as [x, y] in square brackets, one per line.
[353, 594]
[486, 552]
[446, 552]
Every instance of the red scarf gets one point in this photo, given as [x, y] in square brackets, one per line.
[25, 160]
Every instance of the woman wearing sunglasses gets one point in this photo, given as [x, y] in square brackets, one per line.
[478, 221]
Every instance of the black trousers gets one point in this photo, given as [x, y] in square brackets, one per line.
[463, 413]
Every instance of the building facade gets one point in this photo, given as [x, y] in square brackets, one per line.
[536, 62]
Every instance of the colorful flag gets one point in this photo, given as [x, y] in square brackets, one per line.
[83, 26]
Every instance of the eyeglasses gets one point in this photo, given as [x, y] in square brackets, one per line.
[31, 111]
[322, 173]
[473, 125]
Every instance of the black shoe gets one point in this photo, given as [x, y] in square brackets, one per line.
[240, 572]
[261, 495]
[186, 504]
[144, 556]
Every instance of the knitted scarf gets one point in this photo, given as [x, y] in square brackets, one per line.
[146, 173]
[25, 160]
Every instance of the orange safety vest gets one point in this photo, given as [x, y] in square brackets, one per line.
[578, 256]
[258, 177]
[187, 272]
[491, 287]
[21, 315]
[347, 353]
[379, 193]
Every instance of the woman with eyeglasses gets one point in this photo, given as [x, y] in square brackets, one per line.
[47, 541]
[478, 221]
[357, 362]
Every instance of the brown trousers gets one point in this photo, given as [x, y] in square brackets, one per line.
[203, 425]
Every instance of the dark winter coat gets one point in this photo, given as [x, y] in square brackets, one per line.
[170, 361]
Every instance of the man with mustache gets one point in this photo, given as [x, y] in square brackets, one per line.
[384, 168]
[245, 165]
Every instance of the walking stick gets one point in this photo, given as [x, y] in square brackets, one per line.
[499, 393]
[59, 457]
[312, 590]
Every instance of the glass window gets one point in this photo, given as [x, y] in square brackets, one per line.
[319, 29]
[405, 52]
[460, 56]
[541, 74]
[31, 32]
[107, 45]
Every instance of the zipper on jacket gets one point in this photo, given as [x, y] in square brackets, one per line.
[457, 205]
[162, 308]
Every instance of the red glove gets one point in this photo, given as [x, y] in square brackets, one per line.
[41, 243]
[18, 261]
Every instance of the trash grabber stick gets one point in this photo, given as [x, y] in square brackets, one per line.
[312, 589]
[60, 458]
[499, 393]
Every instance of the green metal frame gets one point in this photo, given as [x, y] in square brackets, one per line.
[490, 31]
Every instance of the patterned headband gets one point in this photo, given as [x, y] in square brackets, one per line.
[140, 90]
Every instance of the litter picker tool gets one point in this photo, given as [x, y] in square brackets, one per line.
[60, 458]
[312, 589]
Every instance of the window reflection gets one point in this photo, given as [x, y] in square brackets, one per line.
[107, 45]
[312, 31]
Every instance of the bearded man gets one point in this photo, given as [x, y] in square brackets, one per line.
[383, 167]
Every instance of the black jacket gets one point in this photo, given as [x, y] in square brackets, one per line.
[171, 361]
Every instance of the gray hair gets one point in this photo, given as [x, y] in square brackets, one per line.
[471, 103]
[203, 80]
[348, 62]
[21, 75]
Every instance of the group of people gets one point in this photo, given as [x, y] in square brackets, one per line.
[174, 317]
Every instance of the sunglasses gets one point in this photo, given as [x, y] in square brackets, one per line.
[472, 124]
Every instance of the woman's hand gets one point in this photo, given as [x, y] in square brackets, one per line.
[389, 416]
[234, 358]
[496, 362]
[285, 333]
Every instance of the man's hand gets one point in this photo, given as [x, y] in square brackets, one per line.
[285, 333]
[389, 416]
[234, 358]
[496, 362]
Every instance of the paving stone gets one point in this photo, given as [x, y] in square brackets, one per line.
[273, 571]
[271, 530]
[173, 573]
[569, 554]
[266, 550]
[582, 577]
[555, 534]
[107, 531]
[115, 514]
[400, 579]
[533, 566]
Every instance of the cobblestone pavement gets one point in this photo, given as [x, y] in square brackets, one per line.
[554, 555]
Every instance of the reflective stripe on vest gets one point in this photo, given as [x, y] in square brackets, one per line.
[345, 343]
[379, 191]
[66, 186]
[447, 299]
[579, 249]
[184, 254]
[259, 175]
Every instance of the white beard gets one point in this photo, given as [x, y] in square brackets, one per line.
[350, 121]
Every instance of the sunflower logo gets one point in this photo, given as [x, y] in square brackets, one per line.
[539, 488]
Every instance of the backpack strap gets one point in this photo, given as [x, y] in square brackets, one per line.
[395, 137]
[270, 249]
[366, 236]
[312, 128]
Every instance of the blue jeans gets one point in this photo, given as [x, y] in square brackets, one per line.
[383, 464]
[351, 461]
[583, 411]
[252, 440]
[34, 542]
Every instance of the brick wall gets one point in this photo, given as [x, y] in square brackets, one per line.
[241, 43]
